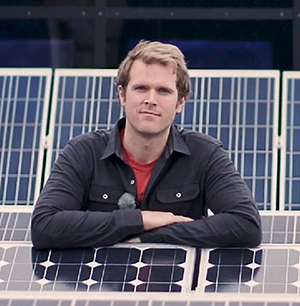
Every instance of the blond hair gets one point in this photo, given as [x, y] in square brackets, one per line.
[157, 52]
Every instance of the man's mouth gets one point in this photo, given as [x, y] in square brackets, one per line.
[150, 113]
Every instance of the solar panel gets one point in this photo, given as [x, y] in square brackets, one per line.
[241, 109]
[15, 226]
[270, 269]
[238, 107]
[83, 100]
[122, 268]
[290, 161]
[23, 107]
[281, 227]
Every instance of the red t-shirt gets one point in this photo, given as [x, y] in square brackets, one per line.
[142, 171]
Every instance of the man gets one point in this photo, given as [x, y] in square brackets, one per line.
[145, 180]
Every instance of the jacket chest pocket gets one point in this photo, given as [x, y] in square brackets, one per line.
[178, 199]
[103, 198]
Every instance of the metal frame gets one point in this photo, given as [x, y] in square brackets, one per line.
[286, 76]
[100, 13]
[150, 299]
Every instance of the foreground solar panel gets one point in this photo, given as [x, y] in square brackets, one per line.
[290, 161]
[149, 299]
[268, 270]
[238, 107]
[122, 268]
[24, 98]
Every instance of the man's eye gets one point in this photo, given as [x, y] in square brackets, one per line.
[164, 90]
[140, 88]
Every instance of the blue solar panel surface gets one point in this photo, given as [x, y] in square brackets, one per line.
[23, 99]
[291, 114]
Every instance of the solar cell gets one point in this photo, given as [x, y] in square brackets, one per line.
[290, 161]
[24, 98]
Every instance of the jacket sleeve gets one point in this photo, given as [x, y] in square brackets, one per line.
[235, 220]
[58, 219]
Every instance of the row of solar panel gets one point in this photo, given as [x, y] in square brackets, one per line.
[269, 269]
[277, 227]
[243, 109]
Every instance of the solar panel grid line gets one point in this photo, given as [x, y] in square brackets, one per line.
[6, 228]
[230, 121]
[93, 102]
[5, 125]
[206, 126]
[6, 172]
[290, 149]
[237, 127]
[111, 94]
[99, 99]
[22, 140]
[201, 103]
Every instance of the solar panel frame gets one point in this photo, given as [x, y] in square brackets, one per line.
[289, 196]
[266, 183]
[26, 107]
[150, 299]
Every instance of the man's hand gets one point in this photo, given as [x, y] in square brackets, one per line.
[155, 219]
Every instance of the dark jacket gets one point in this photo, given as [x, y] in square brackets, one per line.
[78, 206]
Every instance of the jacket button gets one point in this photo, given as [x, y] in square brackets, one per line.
[132, 182]
[178, 195]
[105, 196]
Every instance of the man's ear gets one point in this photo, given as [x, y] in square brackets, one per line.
[180, 105]
[121, 95]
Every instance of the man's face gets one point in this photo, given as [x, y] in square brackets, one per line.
[150, 99]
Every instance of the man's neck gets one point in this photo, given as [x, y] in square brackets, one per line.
[144, 148]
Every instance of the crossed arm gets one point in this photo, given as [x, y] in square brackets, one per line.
[58, 220]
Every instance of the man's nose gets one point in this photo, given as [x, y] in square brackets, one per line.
[150, 100]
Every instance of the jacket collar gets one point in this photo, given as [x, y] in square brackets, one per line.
[175, 142]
